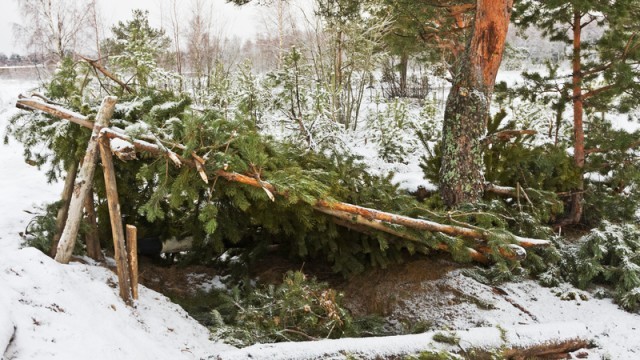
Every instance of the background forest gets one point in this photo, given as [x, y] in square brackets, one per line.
[349, 102]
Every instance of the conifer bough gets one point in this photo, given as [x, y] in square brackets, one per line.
[354, 213]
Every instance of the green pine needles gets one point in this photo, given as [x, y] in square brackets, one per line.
[610, 255]
[298, 309]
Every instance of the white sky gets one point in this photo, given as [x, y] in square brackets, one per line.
[230, 19]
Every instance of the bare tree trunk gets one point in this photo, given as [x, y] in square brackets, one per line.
[468, 105]
[61, 219]
[551, 341]
[96, 28]
[403, 69]
[83, 183]
[176, 38]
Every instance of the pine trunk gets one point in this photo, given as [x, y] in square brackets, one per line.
[468, 104]
[578, 111]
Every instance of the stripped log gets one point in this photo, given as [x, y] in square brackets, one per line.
[379, 225]
[83, 181]
[132, 251]
[117, 231]
[55, 110]
[321, 205]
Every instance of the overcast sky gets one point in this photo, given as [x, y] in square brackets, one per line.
[232, 20]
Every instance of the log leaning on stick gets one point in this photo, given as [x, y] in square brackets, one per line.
[84, 180]
[321, 205]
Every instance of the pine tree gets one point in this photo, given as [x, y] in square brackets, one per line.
[602, 68]
[136, 48]
[467, 110]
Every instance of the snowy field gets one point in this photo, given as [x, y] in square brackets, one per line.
[53, 311]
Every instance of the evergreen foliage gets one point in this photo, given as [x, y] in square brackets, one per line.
[613, 174]
[296, 310]
[610, 255]
[223, 216]
[40, 229]
[136, 49]
[41, 133]
[303, 102]
[536, 171]
[388, 126]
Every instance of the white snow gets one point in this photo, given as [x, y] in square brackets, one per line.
[377, 348]
[74, 312]
[203, 283]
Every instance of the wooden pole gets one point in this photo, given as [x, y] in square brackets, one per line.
[63, 213]
[83, 183]
[132, 249]
[380, 226]
[119, 248]
[91, 239]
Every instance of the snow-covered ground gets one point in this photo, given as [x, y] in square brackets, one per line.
[53, 311]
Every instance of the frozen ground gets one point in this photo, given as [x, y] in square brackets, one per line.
[53, 311]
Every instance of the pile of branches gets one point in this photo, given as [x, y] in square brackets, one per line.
[230, 185]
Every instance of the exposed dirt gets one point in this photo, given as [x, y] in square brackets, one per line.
[175, 279]
[381, 291]
[430, 292]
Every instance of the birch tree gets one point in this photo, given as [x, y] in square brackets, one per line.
[54, 28]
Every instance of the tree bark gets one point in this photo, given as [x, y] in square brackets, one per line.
[91, 239]
[61, 218]
[83, 183]
[117, 231]
[468, 105]
[578, 130]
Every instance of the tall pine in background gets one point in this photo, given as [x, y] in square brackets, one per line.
[603, 73]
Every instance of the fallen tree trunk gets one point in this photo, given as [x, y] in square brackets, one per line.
[351, 219]
[321, 205]
[515, 342]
